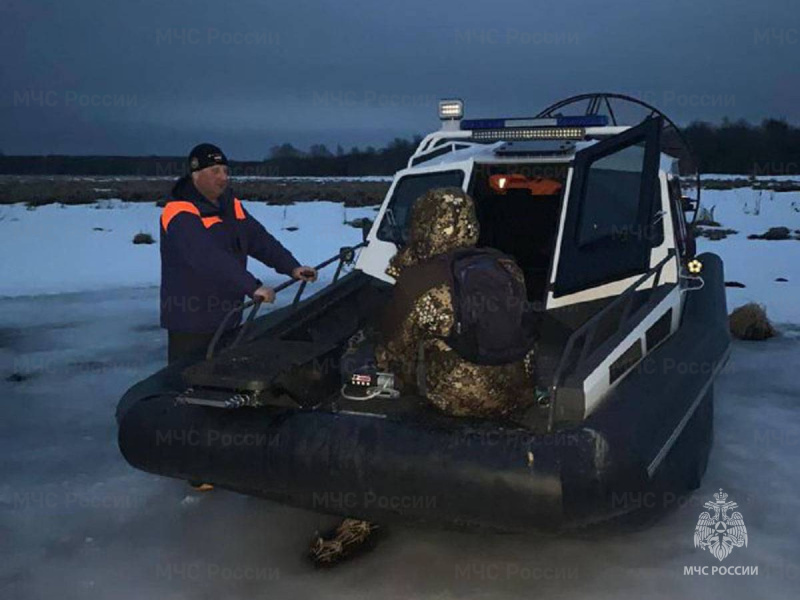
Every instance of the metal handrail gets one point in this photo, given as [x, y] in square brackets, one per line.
[346, 255]
[588, 330]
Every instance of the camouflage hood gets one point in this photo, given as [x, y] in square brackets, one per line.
[442, 220]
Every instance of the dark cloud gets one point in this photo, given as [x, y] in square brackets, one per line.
[154, 78]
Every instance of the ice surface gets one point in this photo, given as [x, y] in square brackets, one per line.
[77, 522]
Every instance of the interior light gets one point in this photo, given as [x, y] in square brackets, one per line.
[536, 186]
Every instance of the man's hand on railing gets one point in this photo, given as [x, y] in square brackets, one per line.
[265, 294]
[304, 273]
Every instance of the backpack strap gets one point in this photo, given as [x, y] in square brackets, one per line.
[422, 374]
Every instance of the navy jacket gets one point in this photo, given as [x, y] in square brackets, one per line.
[204, 250]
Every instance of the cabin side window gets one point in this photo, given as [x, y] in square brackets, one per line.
[394, 226]
[655, 231]
[610, 205]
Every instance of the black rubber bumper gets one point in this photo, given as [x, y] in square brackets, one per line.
[354, 465]
[446, 470]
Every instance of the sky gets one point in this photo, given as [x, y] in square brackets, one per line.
[142, 77]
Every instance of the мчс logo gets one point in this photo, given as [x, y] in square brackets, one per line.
[720, 533]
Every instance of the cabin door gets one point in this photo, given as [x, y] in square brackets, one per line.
[607, 228]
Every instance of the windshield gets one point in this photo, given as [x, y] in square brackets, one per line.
[394, 226]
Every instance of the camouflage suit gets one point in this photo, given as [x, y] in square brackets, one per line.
[421, 313]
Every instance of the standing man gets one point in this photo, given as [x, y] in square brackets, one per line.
[206, 237]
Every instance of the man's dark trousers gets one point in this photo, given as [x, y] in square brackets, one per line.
[184, 344]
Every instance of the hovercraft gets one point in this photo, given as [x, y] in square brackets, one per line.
[632, 332]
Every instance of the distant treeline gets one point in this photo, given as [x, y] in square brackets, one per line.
[771, 148]
[284, 161]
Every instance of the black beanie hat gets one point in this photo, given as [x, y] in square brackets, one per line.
[206, 155]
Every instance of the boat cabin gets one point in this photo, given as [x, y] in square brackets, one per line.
[593, 213]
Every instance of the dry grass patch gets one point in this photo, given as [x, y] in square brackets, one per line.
[38, 191]
[750, 322]
[143, 238]
[774, 233]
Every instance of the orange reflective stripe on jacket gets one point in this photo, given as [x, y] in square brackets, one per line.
[238, 210]
[209, 221]
[174, 208]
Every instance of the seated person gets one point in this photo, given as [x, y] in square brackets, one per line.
[420, 316]
[417, 321]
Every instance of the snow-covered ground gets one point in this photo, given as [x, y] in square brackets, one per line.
[729, 176]
[758, 263]
[79, 322]
[54, 248]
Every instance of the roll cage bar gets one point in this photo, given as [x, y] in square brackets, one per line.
[673, 142]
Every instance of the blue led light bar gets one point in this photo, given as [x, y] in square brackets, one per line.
[483, 124]
[580, 121]
[584, 121]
